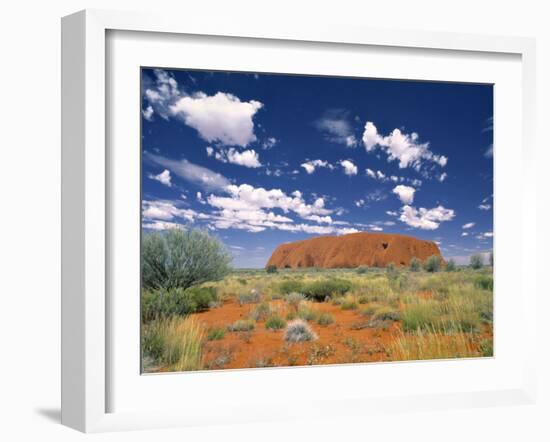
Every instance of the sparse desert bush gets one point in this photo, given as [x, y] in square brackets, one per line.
[271, 269]
[432, 264]
[216, 333]
[361, 270]
[242, 325]
[176, 302]
[349, 303]
[298, 330]
[484, 282]
[182, 258]
[275, 322]
[325, 319]
[451, 266]
[292, 285]
[294, 299]
[386, 313]
[251, 297]
[175, 343]
[261, 312]
[476, 262]
[306, 311]
[322, 289]
[432, 345]
[415, 265]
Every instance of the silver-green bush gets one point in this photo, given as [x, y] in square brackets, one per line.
[182, 258]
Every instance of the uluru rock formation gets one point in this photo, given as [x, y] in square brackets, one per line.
[353, 250]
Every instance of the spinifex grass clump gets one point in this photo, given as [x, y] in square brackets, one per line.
[251, 297]
[349, 303]
[242, 325]
[261, 312]
[325, 319]
[298, 330]
[216, 333]
[275, 322]
[294, 299]
[175, 343]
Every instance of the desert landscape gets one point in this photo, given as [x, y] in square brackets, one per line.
[296, 220]
[290, 314]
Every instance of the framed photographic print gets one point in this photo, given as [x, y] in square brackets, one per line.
[294, 223]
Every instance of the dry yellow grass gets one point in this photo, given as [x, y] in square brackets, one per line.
[433, 345]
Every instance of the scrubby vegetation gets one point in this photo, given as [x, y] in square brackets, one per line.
[260, 318]
[432, 264]
[299, 331]
[163, 303]
[182, 258]
[323, 289]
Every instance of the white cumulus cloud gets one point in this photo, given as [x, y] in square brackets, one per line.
[310, 166]
[426, 219]
[402, 147]
[163, 177]
[246, 158]
[221, 117]
[405, 193]
[349, 168]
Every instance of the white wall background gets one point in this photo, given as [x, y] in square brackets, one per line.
[30, 215]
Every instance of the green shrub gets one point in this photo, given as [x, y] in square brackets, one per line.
[361, 270]
[476, 262]
[484, 282]
[182, 258]
[325, 319]
[415, 264]
[215, 334]
[176, 302]
[320, 290]
[432, 264]
[271, 269]
[451, 266]
[299, 331]
[275, 322]
[242, 325]
[290, 286]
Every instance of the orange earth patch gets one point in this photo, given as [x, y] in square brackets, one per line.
[346, 340]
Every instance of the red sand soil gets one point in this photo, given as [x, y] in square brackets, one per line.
[353, 250]
[337, 343]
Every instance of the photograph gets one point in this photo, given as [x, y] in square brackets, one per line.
[292, 220]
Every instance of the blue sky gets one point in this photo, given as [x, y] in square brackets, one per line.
[263, 159]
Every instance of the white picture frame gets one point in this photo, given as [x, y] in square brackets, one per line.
[86, 211]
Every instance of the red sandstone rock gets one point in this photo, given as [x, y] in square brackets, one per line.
[353, 250]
